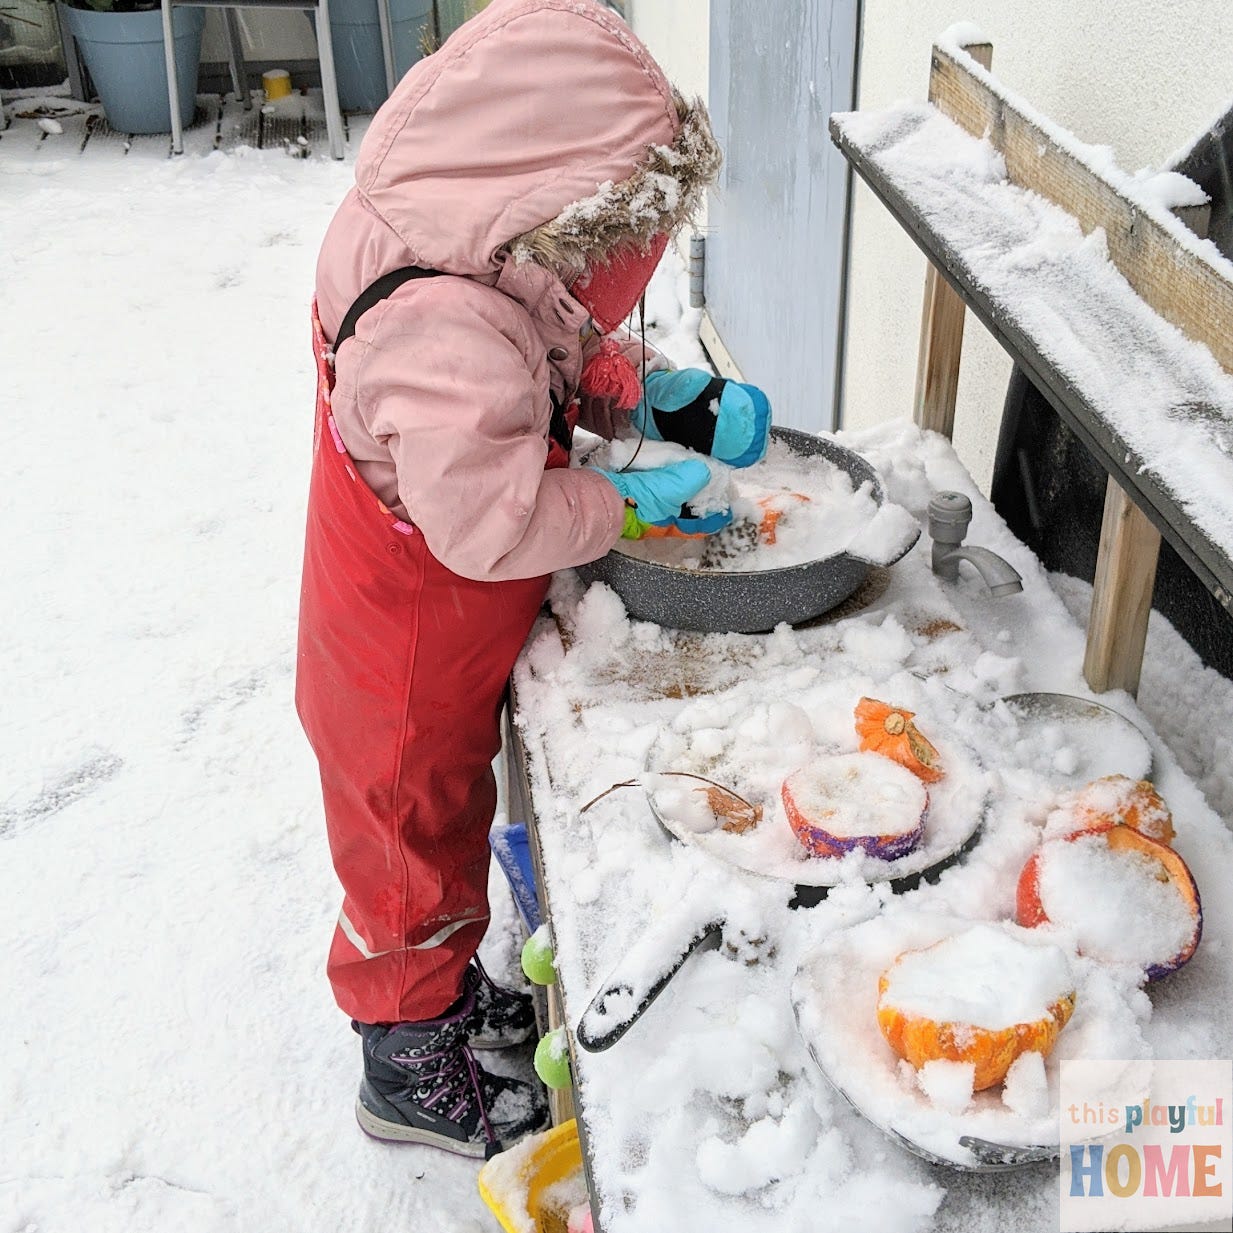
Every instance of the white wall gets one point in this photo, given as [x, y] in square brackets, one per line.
[1142, 76]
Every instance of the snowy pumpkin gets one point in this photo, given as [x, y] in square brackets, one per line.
[983, 996]
[848, 801]
[889, 731]
[1125, 898]
[1118, 800]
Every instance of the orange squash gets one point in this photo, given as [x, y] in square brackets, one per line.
[1030, 912]
[1117, 800]
[889, 731]
[920, 1038]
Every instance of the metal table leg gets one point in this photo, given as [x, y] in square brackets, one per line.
[329, 82]
[173, 81]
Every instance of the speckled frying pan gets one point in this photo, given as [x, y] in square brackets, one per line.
[744, 602]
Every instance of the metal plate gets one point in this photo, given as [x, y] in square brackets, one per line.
[1104, 742]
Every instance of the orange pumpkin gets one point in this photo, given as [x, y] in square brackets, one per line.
[773, 509]
[889, 731]
[1117, 800]
[920, 1038]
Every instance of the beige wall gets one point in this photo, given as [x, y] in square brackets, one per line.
[677, 34]
[1142, 76]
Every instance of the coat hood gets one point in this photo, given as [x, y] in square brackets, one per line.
[543, 128]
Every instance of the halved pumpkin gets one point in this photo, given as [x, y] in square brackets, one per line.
[848, 801]
[1121, 801]
[983, 997]
[1126, 898]
[889, 731]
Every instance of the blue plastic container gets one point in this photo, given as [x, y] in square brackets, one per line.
[124, 53]
[512, 849]
[358, 62]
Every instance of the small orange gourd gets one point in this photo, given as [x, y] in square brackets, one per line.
[1120, 801]
[889, 731]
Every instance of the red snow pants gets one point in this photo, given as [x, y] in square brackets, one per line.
[400, 675]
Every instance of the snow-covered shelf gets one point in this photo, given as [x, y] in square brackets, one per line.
[1121, 315]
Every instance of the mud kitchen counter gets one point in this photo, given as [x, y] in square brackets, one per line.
[709, 1114]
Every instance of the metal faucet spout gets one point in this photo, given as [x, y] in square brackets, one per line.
[1000, 577]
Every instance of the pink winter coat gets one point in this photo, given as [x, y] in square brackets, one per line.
[442, 396]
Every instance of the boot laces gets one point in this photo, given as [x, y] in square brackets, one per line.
[453, 1088]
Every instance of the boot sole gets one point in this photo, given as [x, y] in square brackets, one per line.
[397, 1132]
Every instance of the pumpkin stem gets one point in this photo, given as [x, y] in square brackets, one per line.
[894, 723]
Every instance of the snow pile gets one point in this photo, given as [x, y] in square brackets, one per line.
[1117, 903]
[985, 976]
[787, 509]
[642, 455]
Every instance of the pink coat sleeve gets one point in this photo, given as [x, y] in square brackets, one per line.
[445, 382]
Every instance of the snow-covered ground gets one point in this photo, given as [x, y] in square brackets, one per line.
[172, 1057]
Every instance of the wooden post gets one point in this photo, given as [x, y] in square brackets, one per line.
[560, 1102]
[941, 328]
[1121, 595]
[1126, 570]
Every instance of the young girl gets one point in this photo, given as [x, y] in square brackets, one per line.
[516, 189]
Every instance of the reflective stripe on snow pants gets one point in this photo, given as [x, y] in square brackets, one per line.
[400, 674]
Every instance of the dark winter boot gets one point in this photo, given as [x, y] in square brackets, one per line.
[502, 1017]
[422, 1085]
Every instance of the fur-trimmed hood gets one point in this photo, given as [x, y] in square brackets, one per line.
[542, 128]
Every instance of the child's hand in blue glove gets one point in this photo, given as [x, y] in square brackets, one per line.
[655, 499]
[711, 415]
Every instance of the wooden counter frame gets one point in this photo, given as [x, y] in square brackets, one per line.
[1180, 286]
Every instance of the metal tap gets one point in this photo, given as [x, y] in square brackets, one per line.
[950, 514]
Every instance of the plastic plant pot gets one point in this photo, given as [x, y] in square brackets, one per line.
[124, 54]
[358, 60]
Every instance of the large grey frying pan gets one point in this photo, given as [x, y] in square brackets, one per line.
[752, 601]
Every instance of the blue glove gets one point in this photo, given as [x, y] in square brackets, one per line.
[711, 415]
[656, 500]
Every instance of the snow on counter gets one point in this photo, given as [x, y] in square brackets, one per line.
[709, 1114]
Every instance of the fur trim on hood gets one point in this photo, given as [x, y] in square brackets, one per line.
[661, 196]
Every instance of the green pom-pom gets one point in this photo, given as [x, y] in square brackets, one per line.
[538, 961]
[552, 1060]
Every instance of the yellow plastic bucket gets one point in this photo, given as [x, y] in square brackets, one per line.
[513, 1184]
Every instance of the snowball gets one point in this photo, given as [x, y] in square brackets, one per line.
[1026, 1090]
[948, 1084]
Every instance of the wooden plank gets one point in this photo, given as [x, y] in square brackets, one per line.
[1185, 288]
[941, 323]
[1121, 595]
[1212, 564]
[561, 1101]
[715, 349]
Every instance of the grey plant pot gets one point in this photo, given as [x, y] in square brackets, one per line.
[124, 53]
[358, 60]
